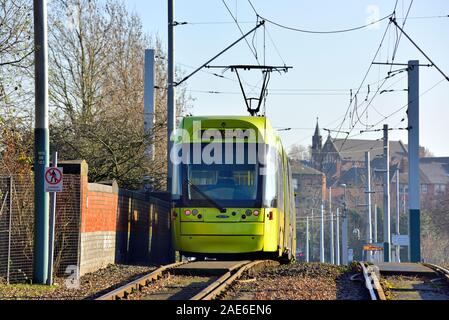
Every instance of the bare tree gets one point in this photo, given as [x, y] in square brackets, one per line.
[16, 48]
[15, 31]
[299, 152]
[96, 90]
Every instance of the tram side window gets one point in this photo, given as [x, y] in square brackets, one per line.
[176, 185]
[280, 180]
[270, 185]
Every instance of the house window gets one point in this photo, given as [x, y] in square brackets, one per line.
[440, 188]
[424, 188]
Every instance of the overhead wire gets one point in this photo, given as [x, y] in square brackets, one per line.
[327, 31]
[253, 49]
[367, 72]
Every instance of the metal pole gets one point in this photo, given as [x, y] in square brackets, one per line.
[331, 242]
[307, 239]
[332, 238]
[148, 99]
[9, 230]
[387, 230]
[375, 222]
[413, 155]
[403, 202]
[344, 236]
[369, 229]
[52, 227]
[41, 147]
[337, 245]
[322, 234]
[171, 108]
[337, 239]
[311, 239]
[398, 230]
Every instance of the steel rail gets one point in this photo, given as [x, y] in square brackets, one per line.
[138, 284]
[438, 269]
[221, 284]
[372, 283]
[368, 281]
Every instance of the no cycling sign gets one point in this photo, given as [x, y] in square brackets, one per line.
[53, 179]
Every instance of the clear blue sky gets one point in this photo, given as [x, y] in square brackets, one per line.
[333, 62]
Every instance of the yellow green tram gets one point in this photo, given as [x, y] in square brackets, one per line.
[231, 189]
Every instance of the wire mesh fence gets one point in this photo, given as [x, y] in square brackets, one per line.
[17, 227]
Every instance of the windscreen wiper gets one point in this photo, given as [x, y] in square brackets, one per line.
[205, 196]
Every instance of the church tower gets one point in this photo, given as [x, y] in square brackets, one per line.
[317, 144]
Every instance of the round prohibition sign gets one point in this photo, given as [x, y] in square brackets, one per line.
[53, 176]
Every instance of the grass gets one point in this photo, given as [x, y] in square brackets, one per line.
[25, 291]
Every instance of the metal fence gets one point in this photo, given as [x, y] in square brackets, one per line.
[17, 227]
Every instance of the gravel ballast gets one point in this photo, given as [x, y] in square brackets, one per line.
[91, 285]
[299, 281]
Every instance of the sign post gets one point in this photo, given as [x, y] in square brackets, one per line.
[53, 184]
[53, 179]
[401, 240]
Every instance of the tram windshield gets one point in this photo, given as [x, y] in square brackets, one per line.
[238, 176]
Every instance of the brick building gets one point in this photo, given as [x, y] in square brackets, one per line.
[310, 186]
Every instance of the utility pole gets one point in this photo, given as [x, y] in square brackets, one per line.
[376, 253]
[148, 99]
[332, 245]
[171, 107]
[398, 230]
[413, 161]
[375, 223]
[307, 239]
[337, 248]
[369, 227]
[322, 235]
[331, 242]
[387, 230]
[311, 238]
[344, 236]
[41, 144]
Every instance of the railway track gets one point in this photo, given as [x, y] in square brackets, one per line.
[199, 280]
[406, 281]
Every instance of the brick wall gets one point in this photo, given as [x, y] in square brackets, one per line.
[95, 225]
[98, 227]
[121, 226]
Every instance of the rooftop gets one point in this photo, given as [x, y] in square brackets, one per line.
[354, 149]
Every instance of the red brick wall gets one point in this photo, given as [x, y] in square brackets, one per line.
[115, 225]
[100, 212]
